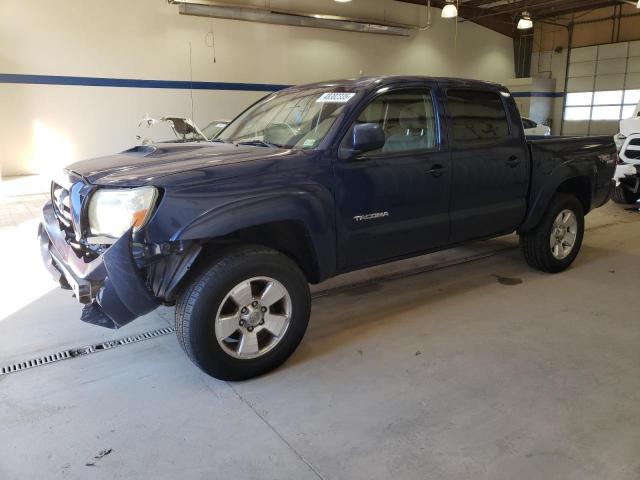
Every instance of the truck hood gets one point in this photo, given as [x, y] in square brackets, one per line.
[147, 164]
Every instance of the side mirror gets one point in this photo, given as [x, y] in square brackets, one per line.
[365, 138]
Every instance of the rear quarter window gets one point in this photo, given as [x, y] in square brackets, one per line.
[477, 117]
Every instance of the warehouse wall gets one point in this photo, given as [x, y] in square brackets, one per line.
[47, 126]
[608, 27]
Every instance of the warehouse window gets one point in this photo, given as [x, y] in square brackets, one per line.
[612, 105]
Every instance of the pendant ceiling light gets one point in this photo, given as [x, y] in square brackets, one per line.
[525, 22]
[450, 10]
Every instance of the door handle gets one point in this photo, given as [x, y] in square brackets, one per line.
[513, 161]
[437, 170]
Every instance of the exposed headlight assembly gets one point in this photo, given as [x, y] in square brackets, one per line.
[113, 211]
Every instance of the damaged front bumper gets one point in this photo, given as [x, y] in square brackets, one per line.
[111, 286]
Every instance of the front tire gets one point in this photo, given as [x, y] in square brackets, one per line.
[555, 242]
[624, 196]
[245, 314]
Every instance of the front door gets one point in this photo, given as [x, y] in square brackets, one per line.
[395, 200]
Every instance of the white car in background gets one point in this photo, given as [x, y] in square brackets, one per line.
[627, 176]
[533, 128]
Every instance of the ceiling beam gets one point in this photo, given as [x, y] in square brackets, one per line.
[574, 7]
[500, 23]
[518, 7]
[478, 3]
[544, 8]
[503, 18]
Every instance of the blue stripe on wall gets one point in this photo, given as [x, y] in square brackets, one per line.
[136, 83]
[175, 84]
[538, 94]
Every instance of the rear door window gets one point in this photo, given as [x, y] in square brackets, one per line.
[477, 117]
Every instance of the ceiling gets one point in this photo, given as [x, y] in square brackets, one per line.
[502, 15]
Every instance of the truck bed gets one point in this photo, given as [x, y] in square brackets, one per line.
[556, 158]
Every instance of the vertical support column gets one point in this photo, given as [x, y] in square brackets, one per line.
[566, 75]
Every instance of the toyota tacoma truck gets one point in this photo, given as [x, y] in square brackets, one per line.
[308, 183]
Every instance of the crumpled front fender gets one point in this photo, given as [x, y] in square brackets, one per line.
[124, 295]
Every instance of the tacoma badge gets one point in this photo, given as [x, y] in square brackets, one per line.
[370, 216]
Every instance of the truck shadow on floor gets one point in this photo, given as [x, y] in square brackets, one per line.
[421, 304]
[418, 299]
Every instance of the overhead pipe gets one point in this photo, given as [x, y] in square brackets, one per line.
[428, 25]
[294, 19]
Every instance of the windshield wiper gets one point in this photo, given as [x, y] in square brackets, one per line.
[259, 143]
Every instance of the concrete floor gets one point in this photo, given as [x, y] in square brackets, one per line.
[477, 368]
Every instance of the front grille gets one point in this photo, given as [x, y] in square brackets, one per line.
[61, 199]
[632, 149]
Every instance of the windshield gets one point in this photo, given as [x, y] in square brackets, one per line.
[214, 128]
[292, 120]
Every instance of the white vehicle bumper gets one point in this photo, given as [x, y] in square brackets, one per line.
[623, 171]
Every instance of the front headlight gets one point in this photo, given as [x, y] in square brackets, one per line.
[113, 211]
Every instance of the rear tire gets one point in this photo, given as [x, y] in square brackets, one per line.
[225, 317]
[555, 242]
[624, 196]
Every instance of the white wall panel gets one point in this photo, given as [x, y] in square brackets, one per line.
[580, 84]
[60, 121]
[614, 65]
[576, 128]
[613, 50]
[609, 82]
[633, 80]
[603, 128]
[633, 65]
[634, 49]
[584, 54]
[582, 69]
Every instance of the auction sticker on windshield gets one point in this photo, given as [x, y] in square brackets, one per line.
[335, 97]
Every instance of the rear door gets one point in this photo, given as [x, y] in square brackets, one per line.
[490, 163]
[395, 200]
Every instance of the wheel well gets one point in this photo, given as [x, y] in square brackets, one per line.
[288, 237]
[579, 187]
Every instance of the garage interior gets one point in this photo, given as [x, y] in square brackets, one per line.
[461, 364]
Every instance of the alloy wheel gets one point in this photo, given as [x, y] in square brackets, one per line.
[253, 317]
[564, 233]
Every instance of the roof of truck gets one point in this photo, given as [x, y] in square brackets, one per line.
[374, 81]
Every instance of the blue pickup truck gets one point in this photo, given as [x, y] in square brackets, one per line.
[308, 183]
